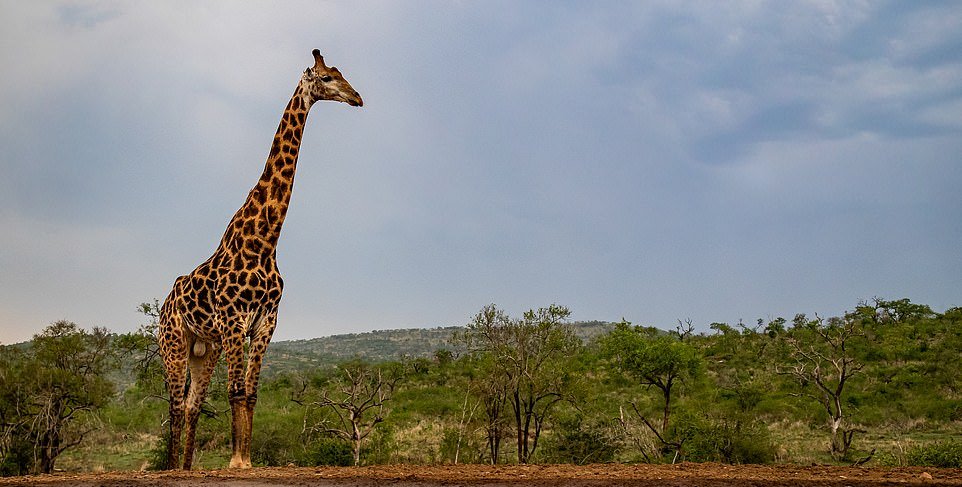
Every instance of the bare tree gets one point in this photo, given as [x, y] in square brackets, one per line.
[357, 398]
[823, 363]
[468, 408]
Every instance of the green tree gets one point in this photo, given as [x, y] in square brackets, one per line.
[70, 384]
[16, 445]
[491, 387]
[528, 358]
[654, 359]
[52, 391]
[141, 347]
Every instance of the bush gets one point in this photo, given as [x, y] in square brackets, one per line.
[943, 409]
[274, 446]
[945, 454]
[157, 456]
[328, 451]
[17, 459]
[725, 440]
[580, 441]
[470, 448]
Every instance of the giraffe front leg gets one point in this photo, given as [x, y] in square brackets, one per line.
[237, 394]
[258, 347]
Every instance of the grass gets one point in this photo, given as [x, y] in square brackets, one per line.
[420, 440]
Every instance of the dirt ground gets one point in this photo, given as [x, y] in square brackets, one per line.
[686, 474]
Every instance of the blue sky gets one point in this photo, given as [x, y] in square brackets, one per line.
[718, 161]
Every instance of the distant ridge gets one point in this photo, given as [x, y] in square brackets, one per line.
[381, 346]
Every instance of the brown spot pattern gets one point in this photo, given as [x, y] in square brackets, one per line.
[233, 296]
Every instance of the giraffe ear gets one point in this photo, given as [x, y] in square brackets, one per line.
[318, 59]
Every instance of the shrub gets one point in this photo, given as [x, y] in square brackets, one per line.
[274, 446]
[328, 451]
[938, 409]
[945, 454]
[459, 447]
[17, 456]
[725, 440]
[580, 441]
[157, 456]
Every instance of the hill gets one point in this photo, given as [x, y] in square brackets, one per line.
[381, 346]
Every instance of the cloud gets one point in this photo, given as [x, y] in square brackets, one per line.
[653, 161]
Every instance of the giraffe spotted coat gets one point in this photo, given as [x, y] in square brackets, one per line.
[232, 297]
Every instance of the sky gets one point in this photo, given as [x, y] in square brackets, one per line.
[654, 161]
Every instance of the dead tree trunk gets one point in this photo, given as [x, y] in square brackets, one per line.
[823, 365]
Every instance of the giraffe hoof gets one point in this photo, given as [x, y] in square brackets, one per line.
[239, 463]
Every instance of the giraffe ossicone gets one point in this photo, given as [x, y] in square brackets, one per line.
[232, 297]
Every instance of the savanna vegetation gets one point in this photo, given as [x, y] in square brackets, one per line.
[880, 384]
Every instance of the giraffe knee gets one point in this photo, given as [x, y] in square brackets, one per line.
[236, 395]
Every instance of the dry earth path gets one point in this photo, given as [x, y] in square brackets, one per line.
[686, 474]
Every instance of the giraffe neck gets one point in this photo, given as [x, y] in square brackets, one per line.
[257, 224]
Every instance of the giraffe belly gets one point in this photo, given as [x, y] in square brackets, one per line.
[203, 327]
[255, 323]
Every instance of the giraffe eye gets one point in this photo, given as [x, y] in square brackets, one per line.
[326, 79]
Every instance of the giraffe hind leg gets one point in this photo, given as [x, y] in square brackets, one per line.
[176, 423]
[201, 366]
[174, 351]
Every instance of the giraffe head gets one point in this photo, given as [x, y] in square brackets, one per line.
[321, 82]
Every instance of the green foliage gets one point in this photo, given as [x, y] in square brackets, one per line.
[706, 438]
[275, 446]
[384, 346]
[458, 445]
[722, 396]
[17, 458]
[580, 440]
[139, 352]
[327, 451]
[944, 454]
[525, 362]
[52, 392]
[650, 356]
[157, 456]
[654, 359]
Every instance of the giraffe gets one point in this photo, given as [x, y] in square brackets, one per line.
[233, 296]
